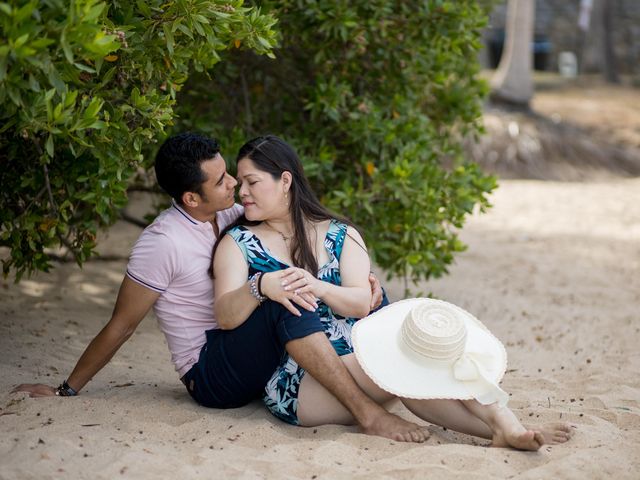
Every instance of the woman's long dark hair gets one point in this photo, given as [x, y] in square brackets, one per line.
[274, 156]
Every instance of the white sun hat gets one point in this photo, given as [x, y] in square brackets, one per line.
[426, 349]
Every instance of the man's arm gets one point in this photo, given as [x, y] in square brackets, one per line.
[132, 305]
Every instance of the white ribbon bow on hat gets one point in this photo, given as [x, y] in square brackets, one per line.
[468, 368]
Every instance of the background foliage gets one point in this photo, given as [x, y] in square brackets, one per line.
[375, 95]
[85, 87]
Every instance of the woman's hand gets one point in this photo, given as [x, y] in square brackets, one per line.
[299, 281]
[35, 389]
[285, 287]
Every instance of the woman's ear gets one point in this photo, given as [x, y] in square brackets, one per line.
[287, 179]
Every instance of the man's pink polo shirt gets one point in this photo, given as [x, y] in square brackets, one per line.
[172, 257]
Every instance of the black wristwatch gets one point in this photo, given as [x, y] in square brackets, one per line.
[64, 390]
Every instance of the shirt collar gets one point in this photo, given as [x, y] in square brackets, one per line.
[189, 218]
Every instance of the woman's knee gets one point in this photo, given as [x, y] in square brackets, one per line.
[317, 406]
[365, 383]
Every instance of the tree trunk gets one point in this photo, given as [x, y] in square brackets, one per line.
[513, 82]
[599, 54]
[610, 69]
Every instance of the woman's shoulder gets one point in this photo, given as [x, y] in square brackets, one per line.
[237, 228]
[334, 224]
[337, 228]
[353, 235]
[238, 232]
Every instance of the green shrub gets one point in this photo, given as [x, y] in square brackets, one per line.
[376, 96]
[85, 87]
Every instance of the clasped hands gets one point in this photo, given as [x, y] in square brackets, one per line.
[296, 285]
[293, 285]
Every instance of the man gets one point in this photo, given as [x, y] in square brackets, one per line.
[168, 270]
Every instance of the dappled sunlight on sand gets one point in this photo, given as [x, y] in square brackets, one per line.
[33, 288]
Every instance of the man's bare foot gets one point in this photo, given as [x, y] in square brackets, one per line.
[554, 433]
[391, 426]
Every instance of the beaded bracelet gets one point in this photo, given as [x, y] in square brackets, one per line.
[253, 287]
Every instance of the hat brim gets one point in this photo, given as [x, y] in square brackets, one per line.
[398, 369]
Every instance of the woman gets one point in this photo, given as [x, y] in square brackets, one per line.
[289, 246]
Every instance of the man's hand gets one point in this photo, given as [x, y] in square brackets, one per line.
[376, 291]
[35, 389]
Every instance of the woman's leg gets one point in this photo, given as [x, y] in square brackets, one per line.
[507, 429]
[316, 406]
[449, 413]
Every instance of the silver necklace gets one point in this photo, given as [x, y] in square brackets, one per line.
[285, 238]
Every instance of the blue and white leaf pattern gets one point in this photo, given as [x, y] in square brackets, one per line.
[281, 392]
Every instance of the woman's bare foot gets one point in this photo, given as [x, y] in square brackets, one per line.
[509, 432]
[554, 433]
[522, 440]
[391, 426]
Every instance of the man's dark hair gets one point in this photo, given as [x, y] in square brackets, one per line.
[178, 163]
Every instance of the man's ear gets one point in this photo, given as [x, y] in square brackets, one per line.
[286, 178]
[190, 199]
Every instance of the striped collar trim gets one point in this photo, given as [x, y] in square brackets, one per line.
[185, 214]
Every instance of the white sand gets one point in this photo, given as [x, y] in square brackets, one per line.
[553, 269]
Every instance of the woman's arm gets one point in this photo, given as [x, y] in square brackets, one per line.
[132, 305]
[234, 301]
[353, 297]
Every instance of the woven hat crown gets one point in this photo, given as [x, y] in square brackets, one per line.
[435, 332]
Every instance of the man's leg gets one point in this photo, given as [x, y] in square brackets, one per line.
[237, 364]
[315, 354]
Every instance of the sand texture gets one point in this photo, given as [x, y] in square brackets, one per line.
[553, 270]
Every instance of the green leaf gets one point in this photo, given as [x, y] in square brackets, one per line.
[24, 12]
[94, 12]
[70, 98]
[168, 35]
[21, 40]
[184, 29]
[57, 111]
[84, 68]
[49, 146]
[66, 48]
[264, 42]
[144, 8]
[93, 108]
[33, 83]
